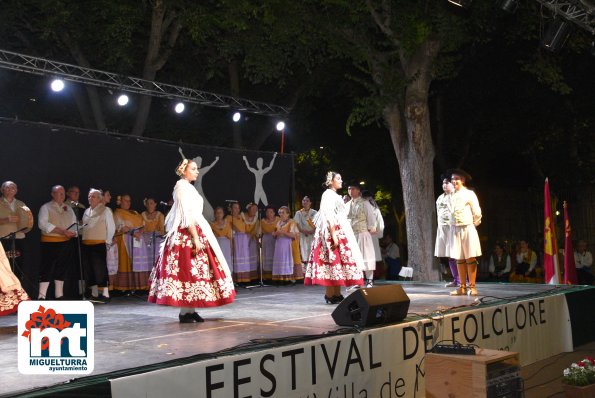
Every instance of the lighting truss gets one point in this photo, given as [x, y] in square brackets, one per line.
[574, 11]
[45, 67]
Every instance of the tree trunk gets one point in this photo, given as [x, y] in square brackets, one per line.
[83, 106]
[412, 140]
[156, 57]
[93, 95]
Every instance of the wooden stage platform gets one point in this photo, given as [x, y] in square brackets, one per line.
[131, 333]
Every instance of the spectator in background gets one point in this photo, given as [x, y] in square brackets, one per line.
[583, 260]
[500, 265]
[392, 258]
[526, 262]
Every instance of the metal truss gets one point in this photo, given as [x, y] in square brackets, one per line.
[40, 66]
[580, 12]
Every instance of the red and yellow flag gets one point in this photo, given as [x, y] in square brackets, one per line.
[550, 248]
[570, 277]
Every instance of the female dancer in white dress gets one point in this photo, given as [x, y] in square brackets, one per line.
[335, 259]
[191, 271]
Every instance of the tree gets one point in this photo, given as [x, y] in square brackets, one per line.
[400, 47]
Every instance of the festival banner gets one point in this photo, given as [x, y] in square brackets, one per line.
[570, 277]
[550, 248]
[377, 362]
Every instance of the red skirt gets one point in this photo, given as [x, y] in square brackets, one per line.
[329, 265]
[184, 278]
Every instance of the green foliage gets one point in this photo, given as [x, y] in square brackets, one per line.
[547, 72]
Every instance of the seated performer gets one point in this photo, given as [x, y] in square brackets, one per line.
[500, 265]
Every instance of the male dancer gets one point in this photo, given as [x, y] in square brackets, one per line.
[464, 245]
[363, 223]
[444, 214]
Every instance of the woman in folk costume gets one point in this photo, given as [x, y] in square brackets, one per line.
[253, 230]
[335, 259]
[133, 264]
[304, 220]
[222, 229]
[241, 242]
[11, 292]
[267, 226]
[285, 267]
[191, 270]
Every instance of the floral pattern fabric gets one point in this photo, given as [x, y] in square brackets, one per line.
[332, 266]
[185, 278]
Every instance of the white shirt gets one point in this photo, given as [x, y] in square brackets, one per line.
[584, 260]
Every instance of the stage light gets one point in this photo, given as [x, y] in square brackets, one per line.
[362, 183]
[280, 126]
[509, 5]
[556, 35]
[57, 85]
[122, 100]
[461, 3]
[179, 108]
[557, 212]
[236, 117]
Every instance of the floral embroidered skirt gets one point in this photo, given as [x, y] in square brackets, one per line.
[9, 301]
[332, 266]
[183, 278]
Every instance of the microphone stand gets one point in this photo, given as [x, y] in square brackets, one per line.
[78, 245]
[260, 259]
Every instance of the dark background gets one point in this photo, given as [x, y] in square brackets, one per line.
[42, 156]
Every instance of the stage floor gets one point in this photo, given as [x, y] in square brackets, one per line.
[129, 332]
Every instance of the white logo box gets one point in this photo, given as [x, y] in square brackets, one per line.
[42, 325]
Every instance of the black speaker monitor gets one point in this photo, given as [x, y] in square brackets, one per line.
[373, 306]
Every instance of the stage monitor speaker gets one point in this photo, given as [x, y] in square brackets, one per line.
[373, 306]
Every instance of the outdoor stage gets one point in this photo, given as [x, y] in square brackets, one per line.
[282, 342]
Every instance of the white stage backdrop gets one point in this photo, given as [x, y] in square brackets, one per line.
[382, 362]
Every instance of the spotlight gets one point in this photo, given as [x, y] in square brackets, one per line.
[461, 3]
[556, 35]
[57, 85]
[362, 183]
[179, 108]
[236, 117]
[280, 126]
[122, 100]
[509, 5]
